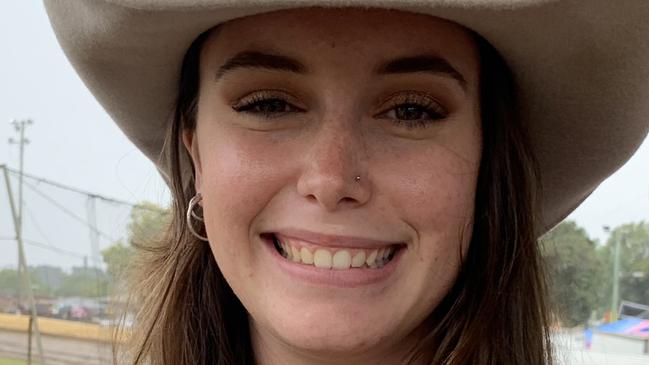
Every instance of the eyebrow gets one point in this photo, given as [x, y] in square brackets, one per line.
[254, 59]
[422, 63]
[413, 64]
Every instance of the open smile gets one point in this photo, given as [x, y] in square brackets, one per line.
[332, 257]
[332, 264]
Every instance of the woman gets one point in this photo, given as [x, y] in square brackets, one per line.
[358, 185]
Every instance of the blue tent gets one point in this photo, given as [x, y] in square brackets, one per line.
[627, 326]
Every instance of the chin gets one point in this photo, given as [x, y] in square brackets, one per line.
[334, 329]
[338, 338]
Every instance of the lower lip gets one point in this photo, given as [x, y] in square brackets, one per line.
[346, 278]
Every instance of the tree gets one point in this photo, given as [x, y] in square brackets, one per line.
[9, 283]
[116, 258]
[634, 261]
[48, 279]
[84, 282]
[575, 272]
[148, 222]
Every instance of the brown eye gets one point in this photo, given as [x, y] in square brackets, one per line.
[414, 111]
[266, 105]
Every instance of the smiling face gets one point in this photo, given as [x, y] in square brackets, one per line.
[337, 153]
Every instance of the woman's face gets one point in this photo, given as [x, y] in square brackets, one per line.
[294, 106]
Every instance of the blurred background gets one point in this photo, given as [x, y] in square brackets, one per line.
[85, 194]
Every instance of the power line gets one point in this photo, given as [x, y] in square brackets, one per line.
[46, 246]
[36, 224]
[54, 249]
[79, 191]
[69, 212]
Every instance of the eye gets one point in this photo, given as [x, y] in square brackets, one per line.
[413, 111]
[267, 104]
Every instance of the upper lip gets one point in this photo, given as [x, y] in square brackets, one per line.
[328, 240]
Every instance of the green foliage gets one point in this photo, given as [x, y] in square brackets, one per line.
[581, 272]
[84, 282]
[8, 361]
[634, 260]
[148, 222]
[116, 258]
[81, 282]
[9, 283]
[46, 279]
[575, 273]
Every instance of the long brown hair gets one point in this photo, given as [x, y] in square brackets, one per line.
[495, 313]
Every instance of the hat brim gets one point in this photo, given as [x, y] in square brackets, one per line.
[582, 69]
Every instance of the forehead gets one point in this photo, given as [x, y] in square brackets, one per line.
[361, 37]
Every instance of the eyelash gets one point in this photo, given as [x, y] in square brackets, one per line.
[422, 102]
[425, 103]
[256, 100]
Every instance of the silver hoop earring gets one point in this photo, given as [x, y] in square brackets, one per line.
[191, 214]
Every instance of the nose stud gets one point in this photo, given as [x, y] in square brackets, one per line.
[357, 178]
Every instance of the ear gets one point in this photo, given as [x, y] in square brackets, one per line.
[191, 145]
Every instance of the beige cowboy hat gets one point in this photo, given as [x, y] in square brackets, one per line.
[582, 68]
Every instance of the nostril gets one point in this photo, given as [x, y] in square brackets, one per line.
[332, 189]
[347, 203]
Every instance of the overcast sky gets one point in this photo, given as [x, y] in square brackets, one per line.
[74, 142]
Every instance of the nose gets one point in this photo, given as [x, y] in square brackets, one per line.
[335, 173]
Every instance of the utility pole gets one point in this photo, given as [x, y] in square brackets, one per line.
[91, 210]
[33, 318]
[19, 127]
[615, 295]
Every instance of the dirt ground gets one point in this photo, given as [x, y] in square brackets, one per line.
[57, 350]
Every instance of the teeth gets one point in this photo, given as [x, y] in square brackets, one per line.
[339, 259]
[379, 254]
[295, 255]
[287, 251]
[380, 263]
[342, 260]
[371, 258]
[307, 256]
[359, 259]
[387, 253]
[322, 259]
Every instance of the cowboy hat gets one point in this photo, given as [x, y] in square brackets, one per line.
[582, 69]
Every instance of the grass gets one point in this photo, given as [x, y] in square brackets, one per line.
[7, 361]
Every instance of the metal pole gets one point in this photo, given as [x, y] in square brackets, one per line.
[23, 263]
[20, 196]
[615, 297]
[29, 341]
[19, 126]
[91, 211]
[20, 176]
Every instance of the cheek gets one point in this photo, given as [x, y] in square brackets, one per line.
[433, 191]
[239, 177]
